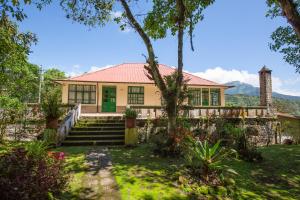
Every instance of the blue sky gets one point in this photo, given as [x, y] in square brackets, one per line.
[231, 43]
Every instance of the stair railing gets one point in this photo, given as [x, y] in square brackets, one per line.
[68, 122]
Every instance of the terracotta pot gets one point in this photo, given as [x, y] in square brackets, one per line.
[51, 123]
[130, 122]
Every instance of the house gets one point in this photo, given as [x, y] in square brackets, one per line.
[112, 89]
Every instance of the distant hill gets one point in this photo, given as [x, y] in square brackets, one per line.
[282, 105]
[247, 89]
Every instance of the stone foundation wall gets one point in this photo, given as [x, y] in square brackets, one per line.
[263, 130]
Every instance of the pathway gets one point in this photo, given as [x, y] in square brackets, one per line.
[99, 176]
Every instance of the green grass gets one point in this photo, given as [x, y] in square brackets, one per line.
[77, 169]
[141, 175]
[8, 145]
[277, 177]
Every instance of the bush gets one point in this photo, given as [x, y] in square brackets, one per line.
[29, 173]
[50, 137]
[11, 110]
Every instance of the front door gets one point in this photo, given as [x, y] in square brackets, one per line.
[108, 99]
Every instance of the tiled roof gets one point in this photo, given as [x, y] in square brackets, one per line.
[135, 73]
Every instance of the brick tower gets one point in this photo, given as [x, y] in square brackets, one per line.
[265, 83]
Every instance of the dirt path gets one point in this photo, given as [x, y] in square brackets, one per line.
[99, 178]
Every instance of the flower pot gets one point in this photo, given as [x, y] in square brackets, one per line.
[51, 123]
[130, 122]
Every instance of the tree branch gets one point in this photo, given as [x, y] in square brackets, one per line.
[153, 70]
[289, 9]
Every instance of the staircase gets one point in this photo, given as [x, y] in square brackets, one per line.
[97, 131]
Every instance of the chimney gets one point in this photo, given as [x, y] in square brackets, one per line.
[265, 83]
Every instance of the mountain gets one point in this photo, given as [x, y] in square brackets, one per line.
[247, 89]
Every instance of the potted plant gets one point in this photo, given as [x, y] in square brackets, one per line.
[130, 116]
[51, 108]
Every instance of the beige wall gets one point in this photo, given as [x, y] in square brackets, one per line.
[151, 92]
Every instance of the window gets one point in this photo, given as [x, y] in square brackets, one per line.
[85, 94]
[135, 95]
[205, 97]
[195, 97]
[215, 97]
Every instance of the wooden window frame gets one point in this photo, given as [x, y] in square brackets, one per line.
[133, 98]
[197, 94]
[86, 89]
[219, 96]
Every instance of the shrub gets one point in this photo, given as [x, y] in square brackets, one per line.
[52, 109]
[29, 173]
[247, 151]
[11, 109]
[130, 113]
[50, 137]
[207, 159]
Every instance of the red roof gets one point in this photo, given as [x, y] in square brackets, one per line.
[135, 73]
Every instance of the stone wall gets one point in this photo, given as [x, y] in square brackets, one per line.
[262, 130]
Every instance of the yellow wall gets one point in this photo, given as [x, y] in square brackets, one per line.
[151, 93]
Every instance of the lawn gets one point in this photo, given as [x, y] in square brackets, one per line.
[142, 175]
[77, 169]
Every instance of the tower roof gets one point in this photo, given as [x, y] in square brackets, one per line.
[265, 69]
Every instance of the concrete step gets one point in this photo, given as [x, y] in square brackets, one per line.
[101, 118]
[92, 142]
[95, 137]
[97, 132]
[86, 124]
[98, 128]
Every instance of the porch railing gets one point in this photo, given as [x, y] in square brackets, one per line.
[69, 120]
[200, 111]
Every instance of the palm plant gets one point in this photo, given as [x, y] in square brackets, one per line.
[208, 158]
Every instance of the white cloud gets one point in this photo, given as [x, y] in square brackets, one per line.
[95, 68]
[74, 71]
[118, 14]
[221, 75]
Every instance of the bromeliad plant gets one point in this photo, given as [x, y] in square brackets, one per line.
[130, 115]
[208, 159]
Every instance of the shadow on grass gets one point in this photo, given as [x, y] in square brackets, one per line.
[276, 177]
[79, 186]
[142, 175]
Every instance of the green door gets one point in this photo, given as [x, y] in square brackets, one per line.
[108, 99]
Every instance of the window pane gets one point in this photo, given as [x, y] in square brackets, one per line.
[79, 96]
[71, 95]
[86, 97]
[79, 88]
[87, 88]
[72, 87]
[194, 97]
[205, 97]
[215, 97]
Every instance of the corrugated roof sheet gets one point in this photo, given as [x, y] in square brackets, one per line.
[136, 73]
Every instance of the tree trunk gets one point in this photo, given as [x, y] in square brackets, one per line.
[289, 9]
[172, 100]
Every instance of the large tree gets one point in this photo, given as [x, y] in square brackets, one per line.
[286, 39]
[174, 16]
[18, 78]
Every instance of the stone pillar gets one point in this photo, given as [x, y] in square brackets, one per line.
[265, 83]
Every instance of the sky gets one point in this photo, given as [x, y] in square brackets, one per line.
[231, 43]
